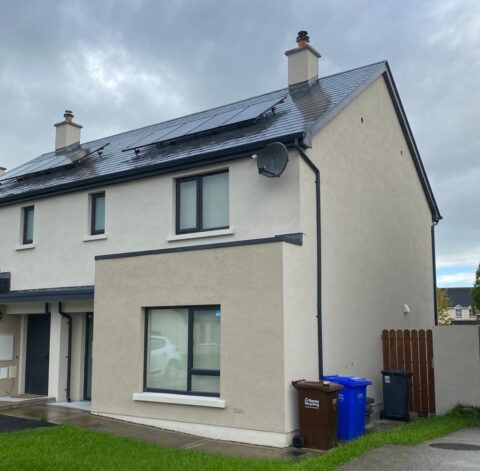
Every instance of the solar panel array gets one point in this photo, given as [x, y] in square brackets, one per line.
[37, 166]
[240, 115]
[50, 162]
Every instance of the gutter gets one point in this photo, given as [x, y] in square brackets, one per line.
[316, 171]
[69, 354]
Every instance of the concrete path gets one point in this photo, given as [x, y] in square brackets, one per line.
[459, 451]
[62, 415]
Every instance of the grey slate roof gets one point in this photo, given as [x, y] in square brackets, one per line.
[459, 296]
[304, 111]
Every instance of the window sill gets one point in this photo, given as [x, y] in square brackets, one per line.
[89, 238]
[199, 235]
[25, 247]
[180, 399]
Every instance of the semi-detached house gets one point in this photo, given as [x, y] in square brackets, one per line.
[158, 273]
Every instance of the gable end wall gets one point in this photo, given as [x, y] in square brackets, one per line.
[376, 239]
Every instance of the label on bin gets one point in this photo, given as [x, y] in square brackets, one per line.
[311, 403]
[387, 379]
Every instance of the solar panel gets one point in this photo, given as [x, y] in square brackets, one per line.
[217, 120]
[253, 111]
[36, 167]
[184, 129]
[52, 162]
[152, 137]
[192, 128]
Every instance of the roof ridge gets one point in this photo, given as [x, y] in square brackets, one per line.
[384, 61]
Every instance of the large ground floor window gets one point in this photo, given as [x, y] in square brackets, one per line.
[182, 350]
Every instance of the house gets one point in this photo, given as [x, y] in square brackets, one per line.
[162, 274]
[460, 306]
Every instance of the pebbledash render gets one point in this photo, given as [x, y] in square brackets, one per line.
[161, 275]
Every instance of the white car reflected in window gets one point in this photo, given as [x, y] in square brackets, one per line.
[165, 359]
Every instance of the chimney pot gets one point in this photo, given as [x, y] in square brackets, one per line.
[2, 170]
[303, 39]
[68, 116]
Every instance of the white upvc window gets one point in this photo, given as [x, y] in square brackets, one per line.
[458, 312]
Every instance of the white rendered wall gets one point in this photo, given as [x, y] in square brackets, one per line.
[376, 239]
[139, 216]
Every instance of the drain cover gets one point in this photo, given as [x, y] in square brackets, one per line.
[456, 446]
[295, 453]
[96, 425]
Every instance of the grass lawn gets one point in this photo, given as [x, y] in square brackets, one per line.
[72, 448]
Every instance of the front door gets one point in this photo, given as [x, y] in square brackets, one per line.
[87, 392]
[38, 348]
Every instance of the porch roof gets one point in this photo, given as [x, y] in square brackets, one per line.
[45, 295]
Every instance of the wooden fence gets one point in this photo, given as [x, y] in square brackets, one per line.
[412, 350]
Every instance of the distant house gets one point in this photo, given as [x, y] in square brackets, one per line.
[162, 274]
[460, 305]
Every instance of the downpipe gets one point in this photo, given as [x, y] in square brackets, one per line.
[69, 354]
[316, 171]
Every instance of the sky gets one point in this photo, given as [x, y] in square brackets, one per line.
[120, 65]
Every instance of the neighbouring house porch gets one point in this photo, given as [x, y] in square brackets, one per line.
[46, 341]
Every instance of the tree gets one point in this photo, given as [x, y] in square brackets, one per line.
[442, 307]
[476, 294]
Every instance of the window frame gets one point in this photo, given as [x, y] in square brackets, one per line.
[458, 311]
[191, 371]
[25, 211]
[199, 203]
[93, 212]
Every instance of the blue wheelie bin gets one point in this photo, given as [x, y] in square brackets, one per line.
[351, 405]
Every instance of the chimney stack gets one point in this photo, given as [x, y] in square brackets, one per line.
[67, 132]
[302, 61]
[2, 170]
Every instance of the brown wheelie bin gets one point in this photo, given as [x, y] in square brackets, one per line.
[317, 411]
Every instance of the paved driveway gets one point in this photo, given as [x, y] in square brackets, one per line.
[443, 454]
[13, 424]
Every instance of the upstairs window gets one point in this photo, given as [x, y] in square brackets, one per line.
[470, 312]
[28, 217]
[202, 203]
[98, 213]
[458, 313]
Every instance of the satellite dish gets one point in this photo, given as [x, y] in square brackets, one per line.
[272, 160]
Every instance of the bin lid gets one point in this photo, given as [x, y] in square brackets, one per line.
[393, 371]
[350, 381]
[319, 385]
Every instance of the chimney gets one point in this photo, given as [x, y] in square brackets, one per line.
[2, 170]
[302, 61]
[68, 132]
